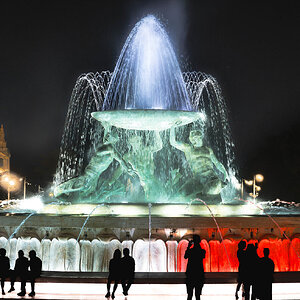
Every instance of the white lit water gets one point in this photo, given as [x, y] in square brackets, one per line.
[65, 254]
[147, 76]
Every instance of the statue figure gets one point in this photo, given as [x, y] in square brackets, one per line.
[209, 175]
[103, 158]
[140, 157]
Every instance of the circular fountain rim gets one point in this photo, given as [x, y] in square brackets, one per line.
[147, 119]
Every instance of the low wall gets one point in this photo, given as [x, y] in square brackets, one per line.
[63, 254]
[156, 277]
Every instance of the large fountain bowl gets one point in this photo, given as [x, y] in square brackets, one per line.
[146, 119]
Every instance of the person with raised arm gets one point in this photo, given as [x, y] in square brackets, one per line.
[194, 270]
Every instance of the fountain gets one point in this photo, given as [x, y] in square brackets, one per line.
[146, 160]
[161, 137]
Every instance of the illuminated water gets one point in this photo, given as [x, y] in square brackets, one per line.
[218, 227]
[86, 220]
[131, 155]
[147, 74]
[140, 135]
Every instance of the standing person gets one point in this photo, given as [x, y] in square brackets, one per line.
[241, 255]
[4, 268]
[251, 267]
[128, 268]
[35, 265]
[195, 270]
[21, 270]
[114, 273]
[266, 267]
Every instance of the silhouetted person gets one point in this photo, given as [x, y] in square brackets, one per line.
[35, 265]
[4, 268]
[251, 274]
[241, 255]
[114, 273]
[128, 267]
[266, 271]
[194, 270]
[21, 270]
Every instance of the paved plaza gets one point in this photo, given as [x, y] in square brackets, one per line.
[66, 291]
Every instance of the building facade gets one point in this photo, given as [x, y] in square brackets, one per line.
[4, 153]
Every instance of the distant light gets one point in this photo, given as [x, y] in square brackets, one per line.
[11, 182]
[259, 177]
[249, 182]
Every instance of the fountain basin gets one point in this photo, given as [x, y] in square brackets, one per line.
[53, 237]
[147, 119]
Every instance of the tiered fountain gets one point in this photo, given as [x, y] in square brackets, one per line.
[147, 160]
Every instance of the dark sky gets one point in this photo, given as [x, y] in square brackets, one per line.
[251, 47]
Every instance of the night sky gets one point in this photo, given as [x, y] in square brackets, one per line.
[250, 47]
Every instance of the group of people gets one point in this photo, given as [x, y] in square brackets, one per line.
[254, 272]
[121, 269]
[24, 269]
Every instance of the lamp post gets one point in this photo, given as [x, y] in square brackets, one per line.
[24, 188]
[10, 182]
[25, 183]
[248, 182]
[255, 188]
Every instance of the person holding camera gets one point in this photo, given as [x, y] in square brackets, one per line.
[194, 270]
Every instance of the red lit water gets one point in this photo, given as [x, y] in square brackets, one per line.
[282, 252]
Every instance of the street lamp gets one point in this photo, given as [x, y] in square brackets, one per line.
[25, 183]
[255, 188]
[10, 182]
[10, 186]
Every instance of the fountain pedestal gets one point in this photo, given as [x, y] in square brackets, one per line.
[146, 119]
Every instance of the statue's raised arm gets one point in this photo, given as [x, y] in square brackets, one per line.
[219, 166]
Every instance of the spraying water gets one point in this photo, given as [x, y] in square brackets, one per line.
[276, 224]
[21, 224]
[29, 216]
[87, 218]
[146, 92]
[147, 74]
[219, 231]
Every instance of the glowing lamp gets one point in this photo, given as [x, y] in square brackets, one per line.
[248, 182]
[11, 182]
[259, 177]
